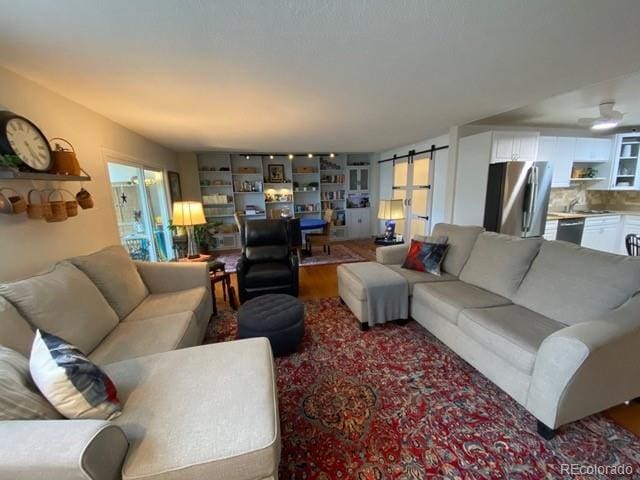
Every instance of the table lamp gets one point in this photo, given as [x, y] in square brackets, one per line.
[188, 214]
[389, 211]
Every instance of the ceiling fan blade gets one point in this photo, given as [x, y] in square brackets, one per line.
[615, 115]
[587, 122]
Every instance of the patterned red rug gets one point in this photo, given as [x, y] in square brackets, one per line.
[395, 403]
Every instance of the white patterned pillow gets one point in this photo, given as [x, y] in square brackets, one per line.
[19, 397]
[75, 386]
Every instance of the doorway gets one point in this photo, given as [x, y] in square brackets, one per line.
[142, 211]
[412, 179]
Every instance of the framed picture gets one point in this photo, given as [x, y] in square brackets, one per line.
[276, 173]
[175, 189]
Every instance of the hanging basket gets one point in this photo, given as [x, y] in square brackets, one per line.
[71, 205]
[37, 210]
[65, 161]
[84, 198]
[58, 207]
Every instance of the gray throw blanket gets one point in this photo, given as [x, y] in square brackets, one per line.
[387, 292]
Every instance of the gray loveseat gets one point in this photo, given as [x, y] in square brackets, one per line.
[554, 325]
[189, 411]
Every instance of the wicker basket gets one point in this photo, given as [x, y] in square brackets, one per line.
[40, 209]
[84, 198]
[58, 208]
[65, 162]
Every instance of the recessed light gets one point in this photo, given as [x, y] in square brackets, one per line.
[310, 155]
[291, 156]
[271, 157]
[247, 157]
[332, 155]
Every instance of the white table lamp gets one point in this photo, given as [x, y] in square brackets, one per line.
[389, 211]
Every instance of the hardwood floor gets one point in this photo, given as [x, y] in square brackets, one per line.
[321, 281]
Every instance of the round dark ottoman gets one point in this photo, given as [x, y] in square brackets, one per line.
[278, 317]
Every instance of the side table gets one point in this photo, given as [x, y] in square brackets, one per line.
[386, 242]
[217, 274]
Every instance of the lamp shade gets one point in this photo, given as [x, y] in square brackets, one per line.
[391, 210]
[186, 214]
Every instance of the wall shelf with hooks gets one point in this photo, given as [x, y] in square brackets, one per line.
[47, 177]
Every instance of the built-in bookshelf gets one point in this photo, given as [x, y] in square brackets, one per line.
[271, 186]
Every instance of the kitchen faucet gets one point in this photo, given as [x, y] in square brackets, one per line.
[572, 205]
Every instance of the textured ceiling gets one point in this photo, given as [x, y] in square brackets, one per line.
[305, 75]
[564, 110]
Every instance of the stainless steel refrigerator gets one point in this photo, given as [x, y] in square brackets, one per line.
[518, 198]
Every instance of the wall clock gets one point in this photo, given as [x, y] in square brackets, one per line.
[20, 137]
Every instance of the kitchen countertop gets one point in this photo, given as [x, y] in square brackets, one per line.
[565, 215]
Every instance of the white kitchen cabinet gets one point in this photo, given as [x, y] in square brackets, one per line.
[602, 233]
[630, 224]
[551, 229]
[625, 174]
[510, 146]
[359, 222]
[558, 152]
[593, 150]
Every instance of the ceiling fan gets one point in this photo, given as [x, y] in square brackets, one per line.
[609, 118]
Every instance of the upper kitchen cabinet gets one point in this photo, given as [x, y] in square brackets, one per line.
[626, 168]
[596, 150]
[514, 146]
[559, 152]
[577, 159]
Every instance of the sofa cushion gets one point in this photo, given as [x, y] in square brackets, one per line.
[511, 332]
[267, 274]
[15, 331]
[65, 303]
[413, 277]
[146, 337]
[450, 298]
[74, 385]
[197, 300]
[202, 412]
[116, 276]
[461, 240]
[571, 284]
[19, 397]
[498, 263]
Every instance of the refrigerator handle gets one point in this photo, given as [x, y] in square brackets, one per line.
[533, 194]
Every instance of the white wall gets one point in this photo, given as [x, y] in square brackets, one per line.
[440, 172]
[189, 176]
[27, 246]
[471, 179]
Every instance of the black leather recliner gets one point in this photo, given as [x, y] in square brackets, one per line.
[267, 265]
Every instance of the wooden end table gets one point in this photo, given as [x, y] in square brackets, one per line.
[217, 274]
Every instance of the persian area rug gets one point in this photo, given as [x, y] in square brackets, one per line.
[395, 403]
[339, 254]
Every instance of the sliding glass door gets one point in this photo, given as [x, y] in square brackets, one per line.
[142, 211]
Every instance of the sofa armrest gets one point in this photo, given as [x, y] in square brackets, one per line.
[587, 367]
[174, 276]
[61, 449]
[392, 255]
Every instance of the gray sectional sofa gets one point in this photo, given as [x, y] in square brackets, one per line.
[554, 325]
[189, 411]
